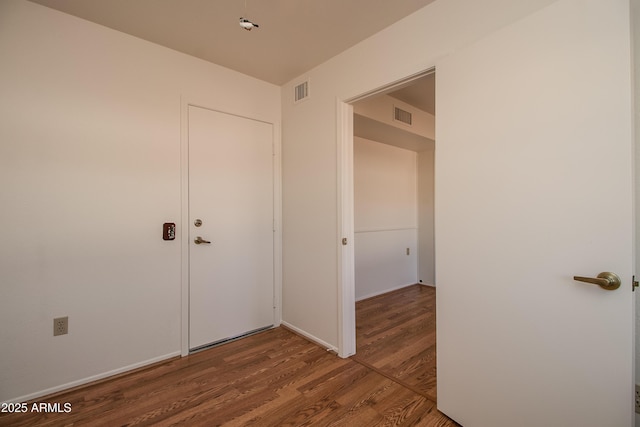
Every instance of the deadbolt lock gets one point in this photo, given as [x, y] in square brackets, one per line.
[197, 222]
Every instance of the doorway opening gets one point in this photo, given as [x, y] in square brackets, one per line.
[393, 232]
[406, 91]
[393, 155]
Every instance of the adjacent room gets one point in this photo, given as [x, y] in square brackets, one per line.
[394, 239]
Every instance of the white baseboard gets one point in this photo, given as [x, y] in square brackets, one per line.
[395, 288]
[48, 391]
[310, 337]
[427, 284]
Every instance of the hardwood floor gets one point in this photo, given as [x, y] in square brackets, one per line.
[396, 335]
[275, 378]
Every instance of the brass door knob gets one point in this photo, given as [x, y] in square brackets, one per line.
[606, 280]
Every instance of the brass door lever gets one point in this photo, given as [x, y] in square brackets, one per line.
[606, 280]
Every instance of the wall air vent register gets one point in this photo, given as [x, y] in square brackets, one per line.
[400, 115]
[301, 92]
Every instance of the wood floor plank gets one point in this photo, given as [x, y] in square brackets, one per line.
[275, 378]
[396, 335]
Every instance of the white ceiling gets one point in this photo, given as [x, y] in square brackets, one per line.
[294, 35]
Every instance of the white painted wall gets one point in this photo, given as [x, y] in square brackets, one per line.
[385, 184]
[90, 169]
[426, 235]
[311, 150]
[385, 216]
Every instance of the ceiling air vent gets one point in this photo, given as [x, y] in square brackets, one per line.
[301, 92]
[401, 115]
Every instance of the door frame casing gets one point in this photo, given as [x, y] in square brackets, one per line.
[345, 215]
[346, 226]
[183, 231]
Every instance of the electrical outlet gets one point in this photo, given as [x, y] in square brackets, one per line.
[60, 326]
[637, 399]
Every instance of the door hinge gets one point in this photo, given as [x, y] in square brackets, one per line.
[344, 241]
[634, 284]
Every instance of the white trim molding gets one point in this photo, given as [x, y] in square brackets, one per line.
[346, 252]
[93, 378]
[310, 337]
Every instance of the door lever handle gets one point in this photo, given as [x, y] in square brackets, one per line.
[199, 240]
[606, 280]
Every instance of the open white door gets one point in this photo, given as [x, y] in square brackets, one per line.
[534, 186]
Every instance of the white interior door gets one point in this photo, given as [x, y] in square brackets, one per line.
[534, 186]
[231, 282]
